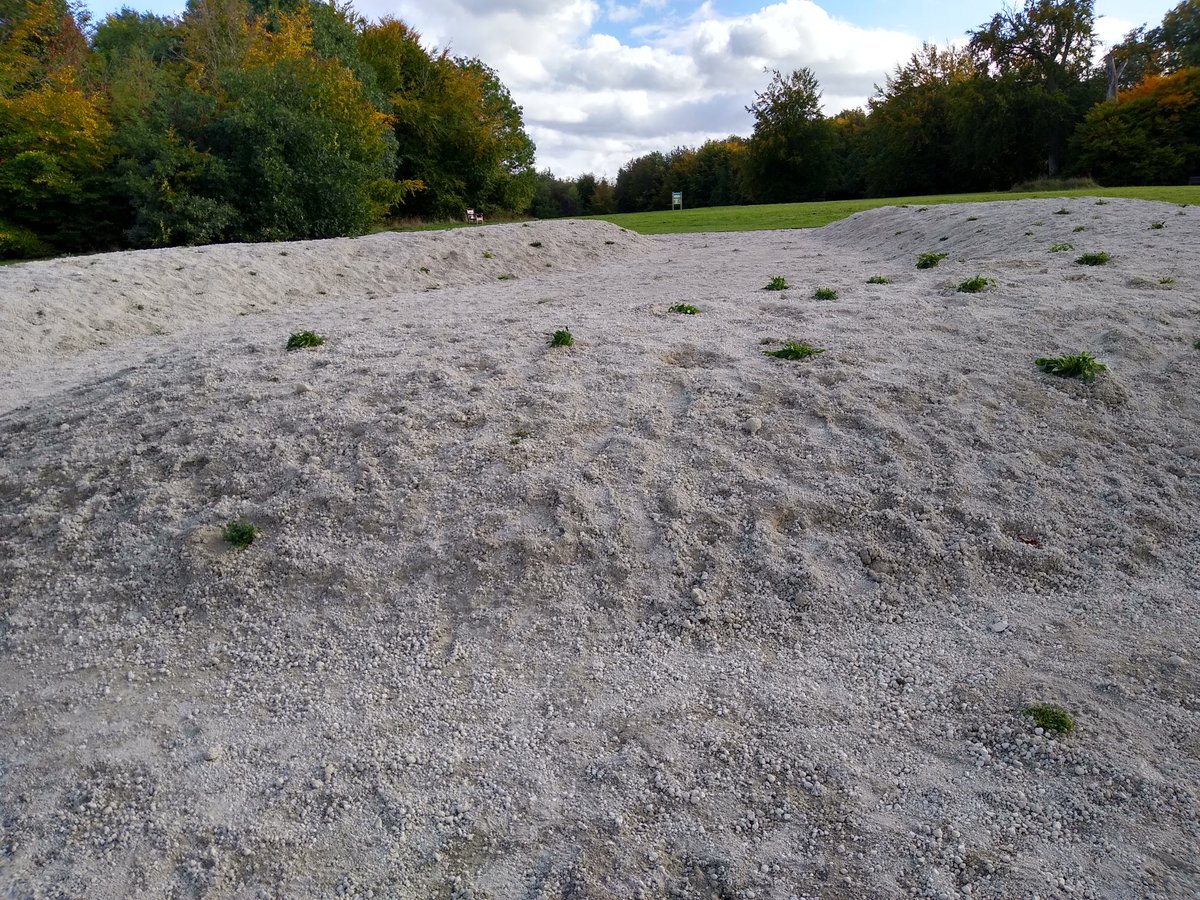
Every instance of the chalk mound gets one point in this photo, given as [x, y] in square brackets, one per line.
[654, 615]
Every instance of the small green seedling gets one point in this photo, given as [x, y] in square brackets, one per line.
[1062, 212]
[794, 350]
[1093, 259]
[302, 339]
[1051, 718]
[488, 254]
[535, 243]
[1082, 365]
[879, 279]
[1102, 203]
[1166, 279]
[1029, 234]
[240, 533]
[1078, 228]
[685, 309]
[975, 285]
[824, 293]
[777, 283]
[507, 276]
[562, 338]
[1155, 226]
[1060, 248]
[930, 260]
[610, 243]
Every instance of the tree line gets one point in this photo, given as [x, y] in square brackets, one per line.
[1022, 100]
[241, 120]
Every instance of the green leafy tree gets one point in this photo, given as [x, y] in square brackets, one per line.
[1150, 134]
[642, 184]
[791, 150]
[1048, 45]
[1179, 36]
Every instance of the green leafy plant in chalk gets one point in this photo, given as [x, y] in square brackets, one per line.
[777, 283]
[1060, 248]
[1156, 226]
[1081, 365]
[975, 285]
[1102, 203]
[879, 279]
[930, 260]
[1078, 228]
[1051, 718]
[240, 533]
[1166, 279]
[794, 350]
[1093, 259]
[507, 276]
[488, 254]
[972, 218]
[824, 293]
[535, 243]
[685, 309]
[304, 339]
[1062, 212]
[562, 338]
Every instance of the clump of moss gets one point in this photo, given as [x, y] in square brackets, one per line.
[794, 350]
[1093, 259]
[975, 285]
[562, 338]
[930, 260]
[879, 279]
[240, 533]
[1081, 365]
[1051, 718]
[824, 293]
[777, 283]
[685, 309]
[303, 339]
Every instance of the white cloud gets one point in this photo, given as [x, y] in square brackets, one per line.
[593, 101]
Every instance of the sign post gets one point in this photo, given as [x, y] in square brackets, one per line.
[676, 199]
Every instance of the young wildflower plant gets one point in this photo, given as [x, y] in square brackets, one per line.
[930, 260]
[824, 293]
[794, 350]
[1081, 365]
[777, 283]
[304, 339]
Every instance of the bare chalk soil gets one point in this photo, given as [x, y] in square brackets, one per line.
[652, 616]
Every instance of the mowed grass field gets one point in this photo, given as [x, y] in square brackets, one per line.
[814, 215]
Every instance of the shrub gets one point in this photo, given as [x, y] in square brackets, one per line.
[824, 293]
[685, 309]
[1051, 718]
[975, 285]
[562, 338]
[1093, 259]
[21, 243]
[794, 350]
[777, 283]
[240, 533]
[930, 260]
[879, 279]
[303, 339]
[1082, 365]
[1060, 248]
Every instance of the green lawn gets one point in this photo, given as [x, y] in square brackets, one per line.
[814, 215]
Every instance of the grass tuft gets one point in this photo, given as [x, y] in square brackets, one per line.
[824, 293]
[1082, 365]
[930, 260]
[879, 279]
[975, 285]
[685, 309]
[562, 338]
[777, 283]
[1051, 718]
[1093, 259]
[240, 533]
[302, 339]
[794, 350]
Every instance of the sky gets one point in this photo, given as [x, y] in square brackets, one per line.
[604, 81]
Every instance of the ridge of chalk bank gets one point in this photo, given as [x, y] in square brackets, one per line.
[652, 616]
